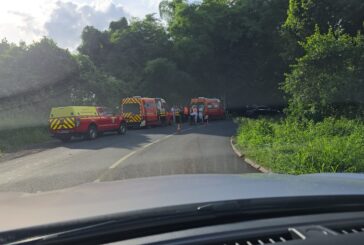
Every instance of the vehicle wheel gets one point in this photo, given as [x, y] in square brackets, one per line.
[92, 132]
[65, 139]
[122, 129]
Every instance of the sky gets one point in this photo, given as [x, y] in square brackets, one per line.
[63, 20]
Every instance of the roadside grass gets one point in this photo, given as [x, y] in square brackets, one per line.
[16, 139]
[284, 146]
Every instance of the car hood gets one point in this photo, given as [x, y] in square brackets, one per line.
[19, 210]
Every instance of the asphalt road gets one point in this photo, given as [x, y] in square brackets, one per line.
[139, 153]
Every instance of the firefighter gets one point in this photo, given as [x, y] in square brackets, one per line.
[178, 118]
[185, 113]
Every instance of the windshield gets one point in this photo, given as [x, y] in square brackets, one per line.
[110, 92]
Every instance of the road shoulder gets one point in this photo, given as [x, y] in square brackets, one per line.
[247, 160]
[29, 150]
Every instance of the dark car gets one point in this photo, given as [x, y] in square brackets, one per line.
[256, 111]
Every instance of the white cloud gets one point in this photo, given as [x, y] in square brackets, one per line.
[68, 19]
[140, 8]
[63, 20]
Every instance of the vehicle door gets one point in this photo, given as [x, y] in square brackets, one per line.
[213, 109]
[210, 110]
[150, 108]
[112, 119]
[104, 122]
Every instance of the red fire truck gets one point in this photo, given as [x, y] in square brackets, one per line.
[142, 112]
[212, 107]
[89, 121]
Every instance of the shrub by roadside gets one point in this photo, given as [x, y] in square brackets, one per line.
[333, 145]
[15, 139]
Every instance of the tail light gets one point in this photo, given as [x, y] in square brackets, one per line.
[78, 122]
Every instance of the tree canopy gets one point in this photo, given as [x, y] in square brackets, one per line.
[307, 53]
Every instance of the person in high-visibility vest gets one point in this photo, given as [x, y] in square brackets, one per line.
[185, 113]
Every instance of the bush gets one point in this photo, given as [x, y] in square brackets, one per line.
[327, 81]
[333, 145]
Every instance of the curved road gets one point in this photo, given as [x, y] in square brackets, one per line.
[139, 153]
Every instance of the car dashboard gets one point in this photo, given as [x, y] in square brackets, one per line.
[332, 228]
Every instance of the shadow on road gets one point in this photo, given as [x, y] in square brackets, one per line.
[136, 137]
[133, 139]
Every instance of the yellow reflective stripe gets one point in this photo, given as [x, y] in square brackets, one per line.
[56, 124]
[70, 122]
[127, 114]
[66, 124]
[53, 123]
[131, 101]
[135, 118]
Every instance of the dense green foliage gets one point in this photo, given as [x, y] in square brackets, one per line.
[216, 48]
[304, 15]
[328, 80]
[333, 145]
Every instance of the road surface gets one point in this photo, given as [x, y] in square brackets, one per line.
[139, 153]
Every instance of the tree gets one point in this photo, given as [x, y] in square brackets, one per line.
[96, 87]
[119, 25]
[130, 47]
[163, 79]
[95, 44]
[328, 80]
[304, 15]
[232, 48]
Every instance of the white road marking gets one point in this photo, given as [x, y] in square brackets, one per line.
[147, 145]
[122, 159]
[169, 136]
[118, 162]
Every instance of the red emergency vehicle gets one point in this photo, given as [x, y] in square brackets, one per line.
[212, 107]
[142, 112]
[89, 121]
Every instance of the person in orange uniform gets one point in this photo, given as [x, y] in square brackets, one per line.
[186, 113]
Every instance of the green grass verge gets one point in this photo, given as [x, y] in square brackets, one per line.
[284, 146]
[15, 139]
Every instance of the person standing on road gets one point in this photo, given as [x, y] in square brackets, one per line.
[178, 117]
[194, 114]
[201, 113]
[206, 119]
[185, 113]
[173, 109]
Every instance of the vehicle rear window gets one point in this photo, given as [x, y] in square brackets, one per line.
[133, 108]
